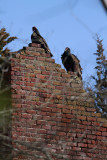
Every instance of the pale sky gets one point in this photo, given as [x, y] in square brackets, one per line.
[63, 23]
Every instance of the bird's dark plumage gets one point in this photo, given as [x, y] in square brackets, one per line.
[71, 62]
[37, 38]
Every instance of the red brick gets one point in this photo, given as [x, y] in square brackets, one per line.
[92, 119]
[62, 124]
[18, 105]
[40, 76]
[92, 146]
[57, 119]
[35, 45]
[30, 84]
[16, 69]
[81, 117]
[66, 120]
[96, 124]
[66, 111]
[103, 148]
[81, 135]
[61, 105]
[46, 73]
[86, 123]
[25, 115]
[69, 116]
[59, 87]
[31, 111]
[47, 118]
[104, 134]
[50, 60]
[77, 130]
[62, 134]
[91, 109]
[46, 109]
[52, 123]
[46, 127]
[51, 114]
[102, 129]
[41, 58]
[96, 133]
[83, 145]
[56, 74]
[76, 148]
[31, 139]
[41, 122]
[42, 94]
[20, 129]
[87, 141]
[56, 110]
[94, 142]
[43, 113]
[91, 136]
[77, 157]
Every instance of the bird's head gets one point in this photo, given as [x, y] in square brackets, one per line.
[34, 28]
[67, 50]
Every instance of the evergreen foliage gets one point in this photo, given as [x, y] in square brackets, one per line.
[4, 40]
[100, 92]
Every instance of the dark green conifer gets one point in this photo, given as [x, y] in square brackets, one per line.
[101, 79]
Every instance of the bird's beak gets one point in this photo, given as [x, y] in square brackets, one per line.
[66, 49]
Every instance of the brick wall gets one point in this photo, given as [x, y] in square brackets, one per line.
[53, 118]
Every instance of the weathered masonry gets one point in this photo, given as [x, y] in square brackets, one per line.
[53, 118]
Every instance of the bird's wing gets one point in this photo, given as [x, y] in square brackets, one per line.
[38, 34]
[77, 61]
[75, 58]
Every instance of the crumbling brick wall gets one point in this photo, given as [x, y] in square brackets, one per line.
[53, 118]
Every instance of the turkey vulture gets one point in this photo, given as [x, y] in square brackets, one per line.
[37, 38]
[71, 62]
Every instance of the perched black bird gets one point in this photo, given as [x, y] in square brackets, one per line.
[71, 62]
[37, 38]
